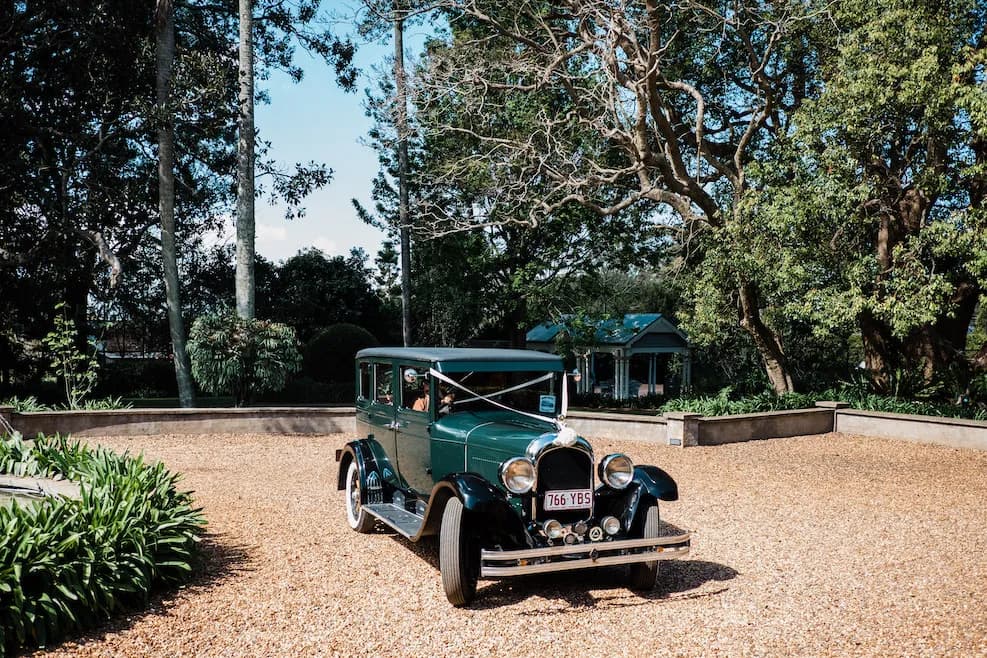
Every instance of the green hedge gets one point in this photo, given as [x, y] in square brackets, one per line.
[67, 564]
[725, 404]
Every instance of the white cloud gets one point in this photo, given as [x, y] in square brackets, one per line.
[271, 233]
[330, 247]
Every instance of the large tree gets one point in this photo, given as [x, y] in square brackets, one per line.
[664, 106]
[874, 214]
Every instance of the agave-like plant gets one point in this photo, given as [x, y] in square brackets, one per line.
[68, 563]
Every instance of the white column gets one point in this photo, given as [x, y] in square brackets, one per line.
[617, 388]
[687, 369]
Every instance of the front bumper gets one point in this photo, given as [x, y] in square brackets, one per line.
[499, 564]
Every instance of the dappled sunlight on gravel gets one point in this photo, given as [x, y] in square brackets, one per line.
[828, 545]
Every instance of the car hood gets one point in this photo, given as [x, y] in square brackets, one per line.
[501, 431]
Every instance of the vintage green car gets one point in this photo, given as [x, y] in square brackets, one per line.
[471, 445]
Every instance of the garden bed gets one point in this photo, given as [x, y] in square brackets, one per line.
[68, 562]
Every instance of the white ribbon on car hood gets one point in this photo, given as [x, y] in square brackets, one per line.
[477, 396]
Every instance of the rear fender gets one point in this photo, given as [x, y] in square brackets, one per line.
[378, 479]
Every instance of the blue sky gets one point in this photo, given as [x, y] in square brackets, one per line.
[315, 120]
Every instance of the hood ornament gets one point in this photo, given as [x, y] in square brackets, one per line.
[566, 437]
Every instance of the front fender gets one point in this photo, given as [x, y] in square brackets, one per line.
[489, 506]
[657, 482]
[649, 485]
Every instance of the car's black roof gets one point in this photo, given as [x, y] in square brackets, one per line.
[465, 355]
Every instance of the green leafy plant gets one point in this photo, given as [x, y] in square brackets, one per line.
[66, 564]
[78, 371]
[23, 405]
[31, 403]
[725, 404]
[241, 357]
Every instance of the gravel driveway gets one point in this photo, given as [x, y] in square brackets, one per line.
[826, 545]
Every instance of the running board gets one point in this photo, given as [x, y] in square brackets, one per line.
[405, 522]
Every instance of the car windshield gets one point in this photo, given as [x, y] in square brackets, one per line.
[528, 392]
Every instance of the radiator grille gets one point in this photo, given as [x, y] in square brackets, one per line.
[563, 468]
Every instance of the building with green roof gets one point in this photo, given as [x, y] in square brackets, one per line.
[624, 357]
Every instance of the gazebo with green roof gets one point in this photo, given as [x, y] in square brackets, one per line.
[637, 340]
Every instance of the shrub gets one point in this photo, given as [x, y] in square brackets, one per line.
[137, 378]
[31, 403]
[67, 564]
[77, 370]
[329, 356]
[241, 357]
[305, 390]
[724, 403]
[22, 405]
[601, 401]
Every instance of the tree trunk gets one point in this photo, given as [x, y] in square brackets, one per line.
[515, 321]
[166, 199]
[882, 352]
[937, 347]
[401, 124]
[767, 341]
[245, 169]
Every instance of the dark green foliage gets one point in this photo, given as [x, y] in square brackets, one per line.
[137, 378]
[31, 403]
[67, 564]
[307, 391]
[725, 403]
[600, 401]
[329, 356]
[241, 356]
[312, 290]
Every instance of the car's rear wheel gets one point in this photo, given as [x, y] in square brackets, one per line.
[644, 575]
[356, 516]
[459, 555]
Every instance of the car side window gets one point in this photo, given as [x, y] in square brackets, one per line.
[382, 384]
[414, 393]
[365, 382]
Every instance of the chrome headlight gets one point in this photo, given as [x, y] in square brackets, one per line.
[518, 475]
[617, 470]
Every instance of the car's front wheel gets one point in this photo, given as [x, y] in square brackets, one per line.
[644, 575]
[356, 516]
[459, 555]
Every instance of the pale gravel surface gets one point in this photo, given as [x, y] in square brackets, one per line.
[828, 545]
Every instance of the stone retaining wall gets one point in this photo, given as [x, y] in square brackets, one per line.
[633, 427]
[133, 422]
[954, 432]
[675, 429]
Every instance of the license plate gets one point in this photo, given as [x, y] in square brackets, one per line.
[568, 499]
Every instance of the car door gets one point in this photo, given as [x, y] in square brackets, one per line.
[376, 405]
[414, 413]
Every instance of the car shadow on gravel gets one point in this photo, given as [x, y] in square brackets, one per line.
[580, 589]
[221, 558]
[594, 587]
